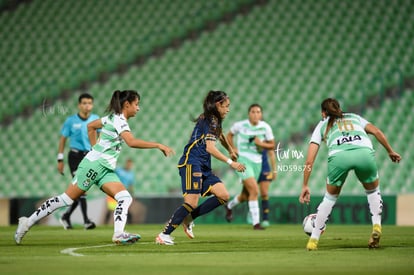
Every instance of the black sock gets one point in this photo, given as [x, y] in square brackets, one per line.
[71, 209]
[177, 218]
[84, 209]
[265, 209]
[207, 206]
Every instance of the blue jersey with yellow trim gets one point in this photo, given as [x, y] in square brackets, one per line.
[195, 151]
[265, 162]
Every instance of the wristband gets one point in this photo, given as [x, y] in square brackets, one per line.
[60, 156]
[229, 161]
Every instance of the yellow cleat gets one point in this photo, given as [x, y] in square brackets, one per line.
[375, 237]
[312, 244]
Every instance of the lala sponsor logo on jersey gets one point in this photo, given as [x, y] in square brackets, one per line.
[345, 139]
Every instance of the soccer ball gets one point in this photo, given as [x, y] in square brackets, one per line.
[309, 223]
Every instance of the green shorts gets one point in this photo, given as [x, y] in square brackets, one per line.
[92, 172]
[253, 169]
[362, 161]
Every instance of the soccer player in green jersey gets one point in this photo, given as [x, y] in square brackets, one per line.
[349, 148]
[97, 167]
[253, 136]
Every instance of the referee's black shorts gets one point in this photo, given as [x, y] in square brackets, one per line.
[74, 158]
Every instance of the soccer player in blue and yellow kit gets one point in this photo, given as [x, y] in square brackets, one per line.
[195, 167]
[75, 129]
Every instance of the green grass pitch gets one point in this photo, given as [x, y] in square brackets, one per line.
[217, 249]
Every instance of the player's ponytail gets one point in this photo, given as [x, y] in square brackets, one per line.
[119, 98]
[333, 110]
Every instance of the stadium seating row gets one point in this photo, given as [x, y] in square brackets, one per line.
[49, 46]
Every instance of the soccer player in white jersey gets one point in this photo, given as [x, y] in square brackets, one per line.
[253, 135]
[97, 167]
[349, 148]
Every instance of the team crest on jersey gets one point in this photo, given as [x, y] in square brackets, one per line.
[86, 183]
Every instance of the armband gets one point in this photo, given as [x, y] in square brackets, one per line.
[229, 161]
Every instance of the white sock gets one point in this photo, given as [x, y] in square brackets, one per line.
[375, 205]
[233, 202]
[254, 211]
[124, 200]
[324, 211]
[49, 206]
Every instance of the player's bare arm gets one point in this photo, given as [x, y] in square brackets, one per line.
[133, 142]
[61, 148]
[229, 148]
[310, 159]
[92, 130]
[265, 144]
[380, 136]
[212, 150]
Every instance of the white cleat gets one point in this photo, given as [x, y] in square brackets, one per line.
[164, 239]
[22, 229]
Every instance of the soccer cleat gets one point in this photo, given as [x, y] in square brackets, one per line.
[188, 225]
[258, 227]
[65, 221]
[265, 223]
[22, 229]
[125, 238]
[164, 239]
[312, 244]
[375, 236]
[89, 225]
[229, 214]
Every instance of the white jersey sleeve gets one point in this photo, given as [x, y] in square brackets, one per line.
[235, 128]
[121, 125]
[269, 133]
[363, 122]
[316, 135]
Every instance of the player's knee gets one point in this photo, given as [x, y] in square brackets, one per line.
[265, 196]
[253, 194]
[224, 196]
